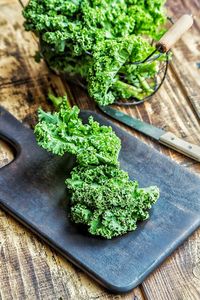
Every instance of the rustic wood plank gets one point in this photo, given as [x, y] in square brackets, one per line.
[12, 51]
[28, 268]
[179, 276]
[186, 53]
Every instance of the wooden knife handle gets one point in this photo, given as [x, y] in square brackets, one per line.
[174, 33]
[173, 142]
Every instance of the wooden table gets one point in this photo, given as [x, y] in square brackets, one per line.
[29, 269]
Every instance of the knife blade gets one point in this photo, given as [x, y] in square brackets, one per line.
[166, 138]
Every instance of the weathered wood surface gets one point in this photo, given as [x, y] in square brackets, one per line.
[29, 269]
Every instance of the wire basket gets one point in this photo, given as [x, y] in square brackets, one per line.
[161, 55]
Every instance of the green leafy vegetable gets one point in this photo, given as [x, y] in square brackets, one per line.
[104, 199]
[102, 196]
[64, 131]
[105, 73]
[99, 40]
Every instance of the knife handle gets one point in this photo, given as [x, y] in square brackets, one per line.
[174, 33]
[172, 141]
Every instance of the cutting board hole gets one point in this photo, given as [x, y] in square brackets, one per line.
[6, 153]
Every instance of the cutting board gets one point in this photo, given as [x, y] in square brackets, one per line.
[32, 190]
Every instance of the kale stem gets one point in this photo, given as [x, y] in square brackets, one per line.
[126, 90]
[57, 101]
[145, 84]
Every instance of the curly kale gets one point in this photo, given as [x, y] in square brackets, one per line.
[64, 131]
[106, 201]
[106, 73]
[99, 40]
[102, 196]
[84, 22]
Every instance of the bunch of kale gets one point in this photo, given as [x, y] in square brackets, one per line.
[103, 198]
[99, 40]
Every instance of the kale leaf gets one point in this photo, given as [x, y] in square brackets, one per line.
[103, 198]
[104, 75]
[64, 131]
[99, 40]
[106, 201]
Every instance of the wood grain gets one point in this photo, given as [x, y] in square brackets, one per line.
[29, 269]
[179, 276]
[187, 53]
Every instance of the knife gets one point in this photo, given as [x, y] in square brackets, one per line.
[166, 138]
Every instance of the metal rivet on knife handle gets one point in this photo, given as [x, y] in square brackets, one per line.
[188, 149]
[174, 33]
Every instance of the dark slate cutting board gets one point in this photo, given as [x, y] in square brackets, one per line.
[32, 190]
